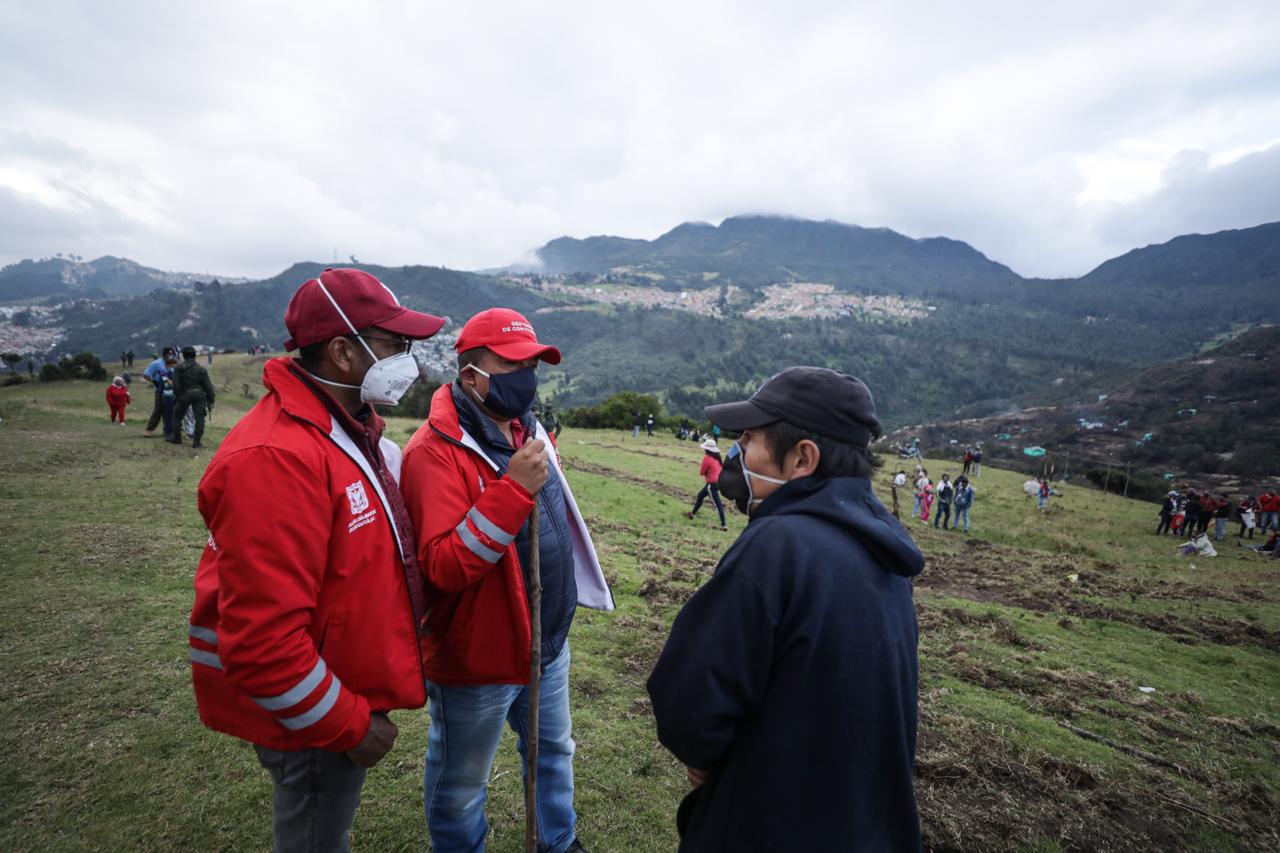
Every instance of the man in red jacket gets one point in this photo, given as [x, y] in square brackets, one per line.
[309, 603]
[470, 476]
[1269, 509]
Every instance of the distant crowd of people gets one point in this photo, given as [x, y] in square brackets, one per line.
[946, 495]
[1188, 515]
[182, 390]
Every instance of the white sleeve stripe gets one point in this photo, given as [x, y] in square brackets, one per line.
[313, 716]
[488, 528]
[297, 693]
[209, 635]
[207, 658]
[475, 546]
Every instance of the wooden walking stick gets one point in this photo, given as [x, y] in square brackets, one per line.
[535, 685]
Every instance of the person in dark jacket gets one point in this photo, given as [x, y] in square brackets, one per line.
[945, 493]
[1167, 509]
[1191, 510]
[192, 390]
[788, 684]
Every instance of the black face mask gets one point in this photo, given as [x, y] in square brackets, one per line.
[510, 394]
[733, 483]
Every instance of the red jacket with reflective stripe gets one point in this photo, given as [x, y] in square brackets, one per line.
[464, 515]
[302, 623]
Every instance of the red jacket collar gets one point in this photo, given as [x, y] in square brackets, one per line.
[302, 400]
[444, 414]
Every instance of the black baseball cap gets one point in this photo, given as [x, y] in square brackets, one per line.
[817, 399]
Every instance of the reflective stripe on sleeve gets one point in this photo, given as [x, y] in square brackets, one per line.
[297, 693]
[206, 658]
[208, 635]
[474, 545]
[488, 528]
[321, 708]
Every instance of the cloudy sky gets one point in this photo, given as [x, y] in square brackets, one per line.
[238, 137]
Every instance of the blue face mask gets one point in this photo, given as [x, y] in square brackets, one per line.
[510, 394]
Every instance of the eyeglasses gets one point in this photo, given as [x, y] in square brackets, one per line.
[403, 344]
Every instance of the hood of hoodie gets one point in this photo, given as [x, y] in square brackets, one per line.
[848, 504]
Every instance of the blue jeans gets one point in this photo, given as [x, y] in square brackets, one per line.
[315, 799]
[915, 506]
[1269, 519]
[466, 723]
[962, 514]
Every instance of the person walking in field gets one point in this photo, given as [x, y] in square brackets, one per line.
[193, 390]
[637, 425]
[968, 461]
[471, 476]
[977, 461]
[117, 399]
[1043, 493]
[648, 426]
[309, 605]
[788, 684]
[710, 471]
[963, 502]
[927, 495]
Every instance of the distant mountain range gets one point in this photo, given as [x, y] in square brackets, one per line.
[753, 251]
[705, 313]
[103, 277]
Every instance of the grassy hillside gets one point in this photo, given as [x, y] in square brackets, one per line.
[1035, 624]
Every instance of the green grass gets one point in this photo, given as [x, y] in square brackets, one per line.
[99, 537]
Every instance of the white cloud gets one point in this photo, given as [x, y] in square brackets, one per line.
[241, 137]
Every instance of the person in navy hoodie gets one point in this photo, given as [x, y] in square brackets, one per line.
[788, 684]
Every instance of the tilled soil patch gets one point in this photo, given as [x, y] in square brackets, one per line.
[978, 792]
[624, 477]
[989, 575]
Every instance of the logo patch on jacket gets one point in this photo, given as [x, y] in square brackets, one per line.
[357, 498]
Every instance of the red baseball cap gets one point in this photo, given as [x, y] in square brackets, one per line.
[316, 311]
[507, 333]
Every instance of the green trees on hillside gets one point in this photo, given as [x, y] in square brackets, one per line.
[617, 412]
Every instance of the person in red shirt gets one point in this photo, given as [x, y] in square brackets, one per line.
[1269, 509]
[117, 399]
[309, 602]
[710, 471]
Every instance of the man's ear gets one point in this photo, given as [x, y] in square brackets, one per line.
[805, 456]
[342, 354]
